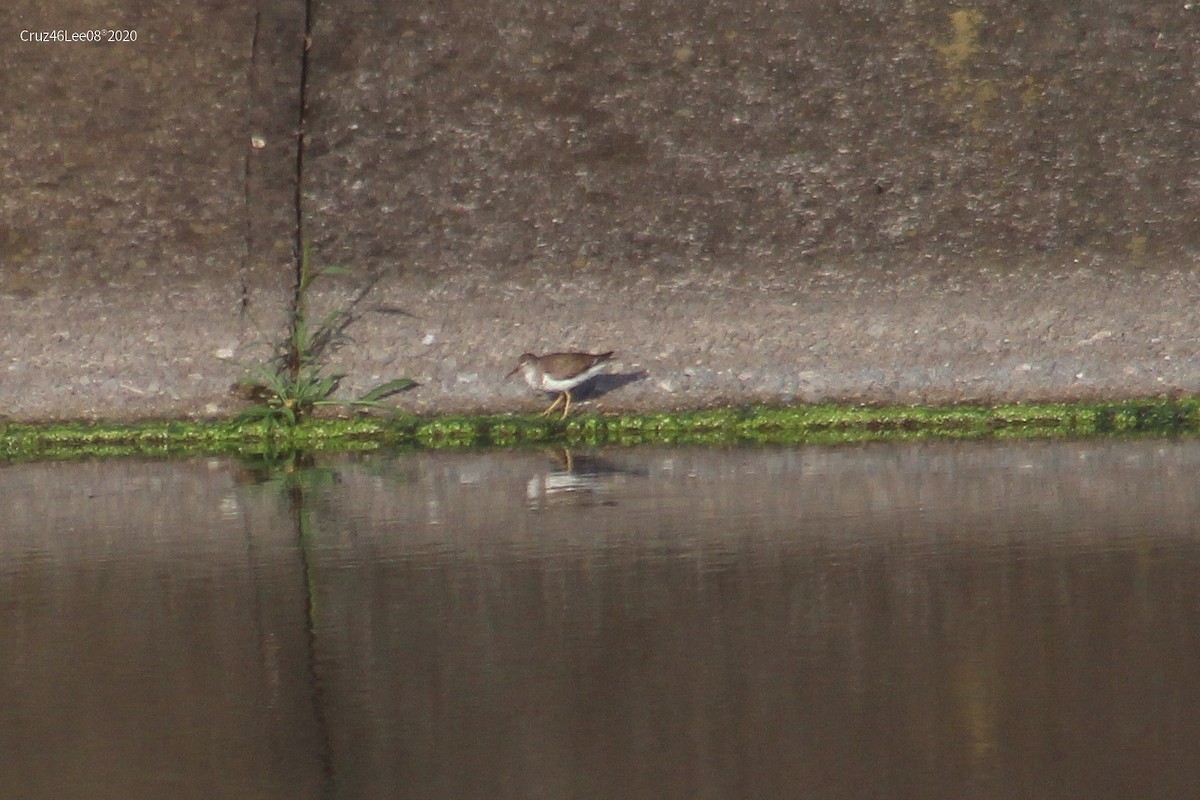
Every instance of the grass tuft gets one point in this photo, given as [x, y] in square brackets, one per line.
[292, 384]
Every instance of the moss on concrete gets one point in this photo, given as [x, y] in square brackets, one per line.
[813, 424]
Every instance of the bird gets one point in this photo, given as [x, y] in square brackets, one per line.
[559, 372]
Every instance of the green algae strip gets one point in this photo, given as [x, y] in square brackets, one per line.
[813, 424]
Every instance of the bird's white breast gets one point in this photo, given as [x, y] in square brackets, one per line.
[549, 384]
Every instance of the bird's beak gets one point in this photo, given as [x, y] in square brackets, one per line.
[516, 369]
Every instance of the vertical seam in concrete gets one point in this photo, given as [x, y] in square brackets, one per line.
[300, 243]
[252, 73]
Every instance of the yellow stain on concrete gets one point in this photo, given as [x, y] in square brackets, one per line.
[964, 39]
[968, 96]
[1032, 95]
[985, 93]
[1137, 247]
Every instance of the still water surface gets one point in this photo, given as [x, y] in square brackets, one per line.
[999, 620]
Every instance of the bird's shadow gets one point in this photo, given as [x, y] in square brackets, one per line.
[606, 382]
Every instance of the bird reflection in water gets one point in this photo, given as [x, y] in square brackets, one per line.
[576, 480]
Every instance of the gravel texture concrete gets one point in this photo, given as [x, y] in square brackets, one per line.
[790, 202]
[704, 338]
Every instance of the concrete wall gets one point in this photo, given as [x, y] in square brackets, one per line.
[748, 201]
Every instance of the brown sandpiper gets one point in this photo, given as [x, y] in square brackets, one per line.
[559, 372]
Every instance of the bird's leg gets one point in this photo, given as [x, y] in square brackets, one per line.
[567, 405]
[553, 405]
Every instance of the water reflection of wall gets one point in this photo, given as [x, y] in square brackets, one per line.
[154, 635]
[748, 622]
[937, 619]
